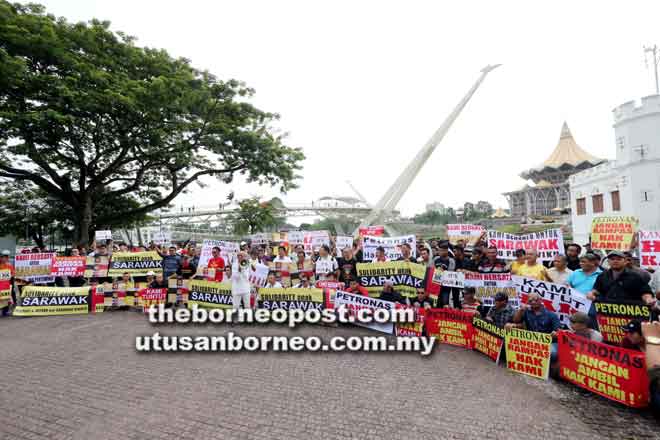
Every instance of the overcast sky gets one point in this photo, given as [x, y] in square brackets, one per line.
[361, 85]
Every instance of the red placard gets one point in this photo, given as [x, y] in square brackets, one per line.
[374, 231]
[613, 372]
[450, 326]
[152, 297]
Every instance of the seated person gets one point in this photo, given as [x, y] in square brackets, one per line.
[388, 294]
[271, 282]
[580, 326]
[421, 300]
[470, 303]
[633, 339]
[355, 288]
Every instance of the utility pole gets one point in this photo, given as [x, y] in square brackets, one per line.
[656, 59]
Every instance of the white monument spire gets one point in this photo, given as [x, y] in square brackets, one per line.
[394, 194]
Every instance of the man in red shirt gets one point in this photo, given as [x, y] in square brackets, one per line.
[218, 263]
[355, 288]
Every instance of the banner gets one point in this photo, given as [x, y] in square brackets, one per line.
[415, 328]
[452, 279]
[178, 289]
[557, 298]
[68, 267]
[392, 246]
[649, 249]
[313, 240]
[35, 268]
[330, 288]
[613, 372]
[374, 231]
[613, 233]
[611, 316]
[258, 276]
[210, 294]
[282, 272]
[488, 284]
[152, 297]
[528, 352]
[162, 237]
[228, 249]
[305, 267]
[102, 236]
[260, 238]
[289, 299]
[450, 326]
[5, 285]
[342, 242]
[406, 277]
[137, 264]
[97, 267]
[467, 234]
[296, 237]
[487, 338]
[355, 302]
[48, 301]
[547, 243]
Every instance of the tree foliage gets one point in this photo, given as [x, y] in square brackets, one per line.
[87, 117]
[253, 216]
[26, 210]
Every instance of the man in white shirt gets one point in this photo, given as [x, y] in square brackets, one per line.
[282, 257]
[559, 272]
[326, 264]
[240, 283]
[271, 282]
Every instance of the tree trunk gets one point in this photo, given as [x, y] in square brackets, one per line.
[83, 223]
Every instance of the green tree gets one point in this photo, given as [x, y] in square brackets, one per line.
[253, 216]
[435, 218]
[27, 210]
[88, 117]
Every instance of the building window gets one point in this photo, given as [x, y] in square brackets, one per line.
[621, 142]
[581, 206]
[616, 201]
[597, 203]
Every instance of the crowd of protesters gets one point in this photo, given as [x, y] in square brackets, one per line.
[613, 277]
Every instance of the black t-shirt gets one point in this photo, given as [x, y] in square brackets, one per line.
[573, 264]
[347, 269]
[627, 287]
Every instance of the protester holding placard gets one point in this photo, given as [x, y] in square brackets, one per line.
[502, 312]
[619, 284]
[347, 265]
[271, 281]
[519, 262]
[354, 287]
[580, 326]
[533, 316]
[559, 272]
[217, 264]
[492, 264]
[326, 264]
[532, 268]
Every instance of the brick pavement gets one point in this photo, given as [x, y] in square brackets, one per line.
[80, 377]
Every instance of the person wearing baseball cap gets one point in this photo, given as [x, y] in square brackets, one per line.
[618, 284]
[502, 312]
[389, 294]
[633, 338]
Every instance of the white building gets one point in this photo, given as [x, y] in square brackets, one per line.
[629, 185]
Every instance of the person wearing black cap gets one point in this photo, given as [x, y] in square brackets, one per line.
[633, 338]
[502, 312]
[619, 284]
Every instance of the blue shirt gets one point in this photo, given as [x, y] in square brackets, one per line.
[581, 282]
[545, 322]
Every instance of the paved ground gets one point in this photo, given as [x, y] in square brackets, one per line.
[80, 378]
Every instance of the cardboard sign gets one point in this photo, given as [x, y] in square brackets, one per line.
[392, 246]
[488, 284]
[613, 372]
[467, 234]
[611, 316]
[557, 298]
[102, 235]
[36, 268]
[487, 338]
[547, 243]
[613, 232]
[68, 267]
[528, 352]
[649, 249]
[450, 326]
[355, 302]
[374, 231]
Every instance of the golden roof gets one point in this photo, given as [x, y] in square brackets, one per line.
[567, 152]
